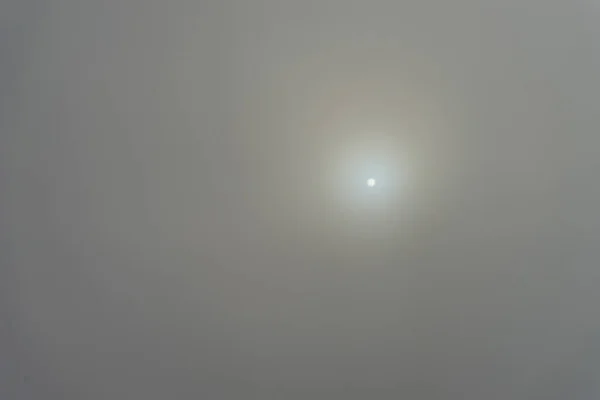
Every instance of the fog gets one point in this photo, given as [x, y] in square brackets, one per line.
[184, 210]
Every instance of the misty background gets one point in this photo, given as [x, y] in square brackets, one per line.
[170, 227]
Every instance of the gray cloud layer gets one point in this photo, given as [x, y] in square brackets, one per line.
[169, 229]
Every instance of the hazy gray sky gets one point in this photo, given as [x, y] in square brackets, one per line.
[184, 211]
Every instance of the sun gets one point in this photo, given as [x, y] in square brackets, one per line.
[371, 182]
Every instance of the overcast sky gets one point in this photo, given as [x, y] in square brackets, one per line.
[184, 211]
